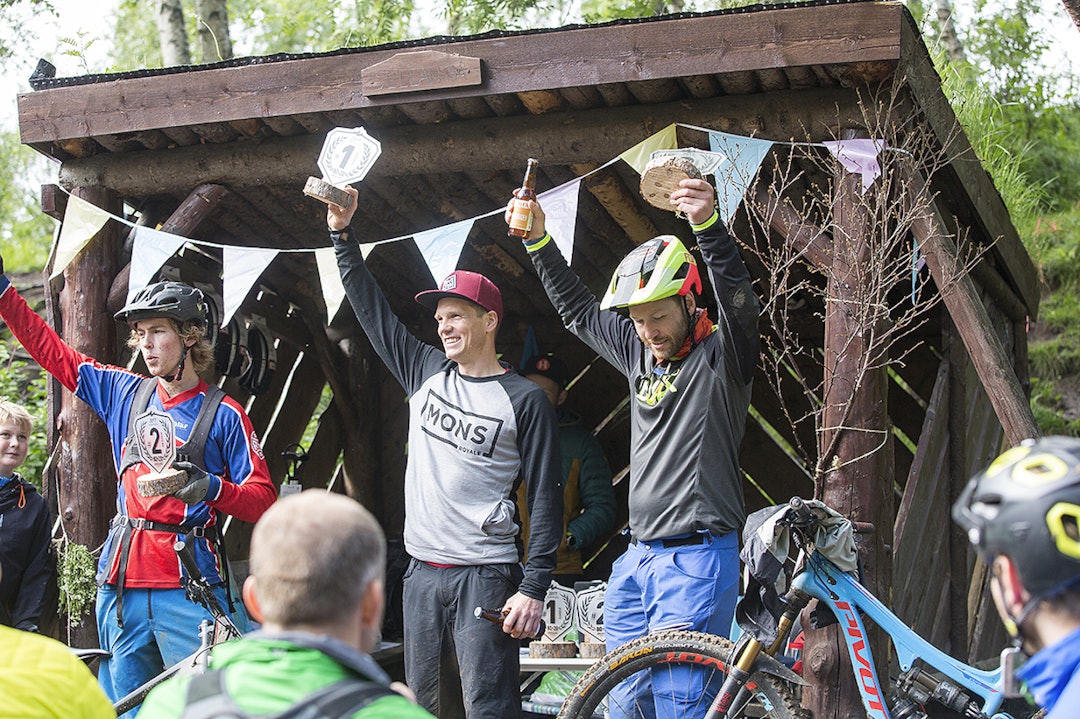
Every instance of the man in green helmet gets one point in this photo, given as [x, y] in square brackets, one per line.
[690, 379]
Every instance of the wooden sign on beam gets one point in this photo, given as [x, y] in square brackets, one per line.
[423, 70]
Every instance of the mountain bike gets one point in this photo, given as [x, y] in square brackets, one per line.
[745, 679]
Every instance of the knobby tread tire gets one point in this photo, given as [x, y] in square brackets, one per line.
[679, 647]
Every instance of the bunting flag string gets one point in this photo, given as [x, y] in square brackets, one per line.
[82, 221]
[858, 156]
[150, 250]
[733, 160]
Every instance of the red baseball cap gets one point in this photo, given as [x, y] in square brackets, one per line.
[467, 285]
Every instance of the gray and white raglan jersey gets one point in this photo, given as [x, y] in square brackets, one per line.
[471, 442]
[687, 417]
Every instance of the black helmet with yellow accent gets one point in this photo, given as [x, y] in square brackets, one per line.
[1026, 505]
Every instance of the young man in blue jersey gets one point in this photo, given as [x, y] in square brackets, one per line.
[144, 618]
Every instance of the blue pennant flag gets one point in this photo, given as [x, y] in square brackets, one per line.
[743, 156]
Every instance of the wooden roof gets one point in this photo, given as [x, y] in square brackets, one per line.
[573, 97]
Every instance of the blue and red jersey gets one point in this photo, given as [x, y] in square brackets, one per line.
[240, 483]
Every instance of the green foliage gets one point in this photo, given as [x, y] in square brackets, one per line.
[17, 24]
[1009, 59]
[24, 383]
[1047, 407]
[75, 569]
[25, 233]
[136, 39]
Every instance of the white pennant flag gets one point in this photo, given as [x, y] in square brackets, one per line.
[241, 268]
[82, 220]
[150, 250]
[560, 213]
[332, 289]
[441, 247]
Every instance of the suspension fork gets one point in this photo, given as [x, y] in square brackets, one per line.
[734, 695]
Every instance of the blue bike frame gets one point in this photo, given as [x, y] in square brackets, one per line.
[843, 594]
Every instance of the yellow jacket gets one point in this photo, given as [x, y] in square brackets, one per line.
[42, 678]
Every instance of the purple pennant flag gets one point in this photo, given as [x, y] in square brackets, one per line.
[858, 156]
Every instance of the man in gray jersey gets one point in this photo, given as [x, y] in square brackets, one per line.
[477, 430]
[690, 380]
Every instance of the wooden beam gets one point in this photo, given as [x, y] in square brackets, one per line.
[992, 361]
[593, 136]
[707, 44]
[810, 240]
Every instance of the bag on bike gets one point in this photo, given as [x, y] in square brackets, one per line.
[207, 698]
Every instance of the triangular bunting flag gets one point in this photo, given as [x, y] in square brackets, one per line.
[149, 252]
[638, 155]
[241, 268]
[441, 247]
[332, 289]
[365, 250]
[82, 221]
[560, 213]
[733, 177]
[858, 155]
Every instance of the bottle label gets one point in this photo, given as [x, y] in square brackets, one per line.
[522, 217]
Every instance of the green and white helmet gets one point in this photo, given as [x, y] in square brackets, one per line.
[659, 268]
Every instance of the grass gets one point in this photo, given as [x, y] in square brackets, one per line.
[1054, 352]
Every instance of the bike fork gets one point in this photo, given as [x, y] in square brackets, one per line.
[734, 695]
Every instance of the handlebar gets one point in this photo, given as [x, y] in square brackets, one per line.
[800, 513]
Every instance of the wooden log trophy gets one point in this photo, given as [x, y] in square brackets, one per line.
[667, 168]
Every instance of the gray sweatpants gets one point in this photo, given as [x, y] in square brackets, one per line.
[441, 632]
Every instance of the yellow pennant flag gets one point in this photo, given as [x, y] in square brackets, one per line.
[82, 221]
[638, 155]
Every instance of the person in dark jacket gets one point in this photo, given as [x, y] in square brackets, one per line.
[25, 554]
[588, 497]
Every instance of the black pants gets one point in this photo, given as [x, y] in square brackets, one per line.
[441, 631]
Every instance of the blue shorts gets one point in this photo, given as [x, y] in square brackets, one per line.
[161, 628]
[655, 587]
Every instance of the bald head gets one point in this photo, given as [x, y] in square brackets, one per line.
[313, 556]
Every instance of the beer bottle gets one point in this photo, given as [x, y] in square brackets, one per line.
[521, 218]
[496, 616]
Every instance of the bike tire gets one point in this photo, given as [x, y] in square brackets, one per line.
[772, 697]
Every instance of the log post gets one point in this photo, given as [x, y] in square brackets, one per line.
[87, 478]
[855, 449]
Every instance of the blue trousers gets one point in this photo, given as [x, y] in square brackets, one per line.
[653, 588]
[161, 628]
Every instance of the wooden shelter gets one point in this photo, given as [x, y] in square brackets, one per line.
[221, 152]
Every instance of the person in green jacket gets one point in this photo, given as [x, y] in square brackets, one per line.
[588, 497]
[316, 585]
